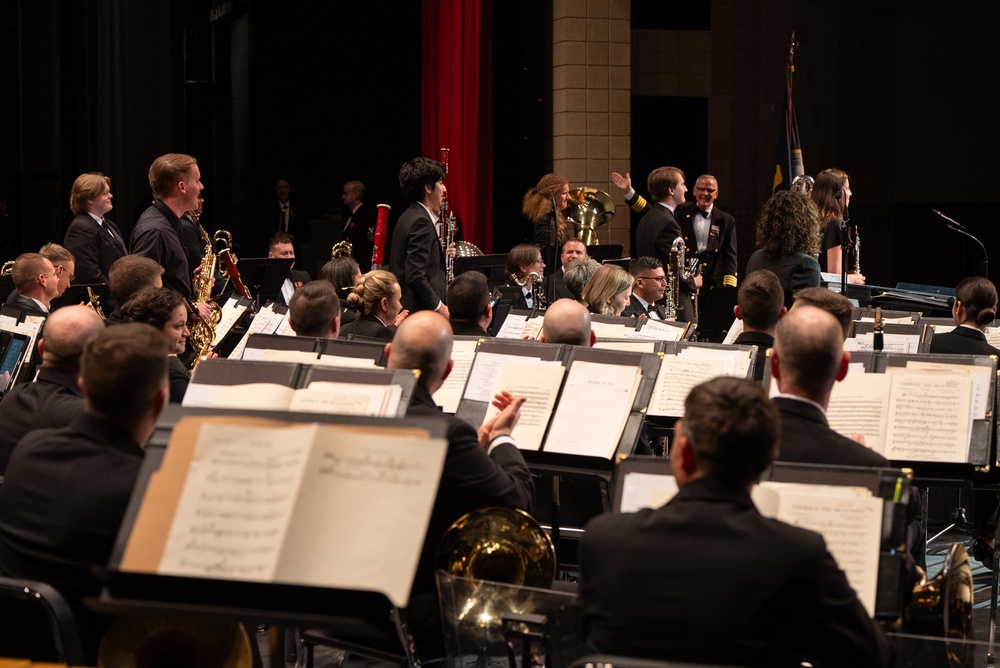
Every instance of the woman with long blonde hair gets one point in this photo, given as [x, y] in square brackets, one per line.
[609, 291]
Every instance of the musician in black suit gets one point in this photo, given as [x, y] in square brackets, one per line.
[648, 289]
[469, 302]
[788, 240]
[480, 470]
[760, 303]
[93, 239]
[975, 307]
[65, 490]
[834, 303]
[651, 581]
[709, 234]
[315, 311]
[290, 215]
[415, 255]
[555, 282]
[281, 246]
[359, 226]
[525, 268]
[36, 283]
[658, 228]
[53, 399]
[376, 300]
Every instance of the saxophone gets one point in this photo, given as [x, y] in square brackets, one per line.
[677, 271]
[203, 330]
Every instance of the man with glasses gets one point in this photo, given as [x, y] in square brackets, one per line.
[64, 263]
[647, 291]
[709, 234]
[36, 283]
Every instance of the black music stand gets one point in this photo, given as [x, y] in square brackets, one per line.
[264, 276]
[604, 253]
[494, 267]
[715, 313]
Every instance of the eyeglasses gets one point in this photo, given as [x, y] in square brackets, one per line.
[60, 269]
[658, 279]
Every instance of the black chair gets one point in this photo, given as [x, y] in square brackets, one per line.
[36, 623]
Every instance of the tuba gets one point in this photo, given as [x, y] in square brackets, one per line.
[942, 606]
[588, 209]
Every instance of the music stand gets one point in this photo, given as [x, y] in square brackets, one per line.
[264, 276]
[494, 267]
[715, 312]
[603, 253]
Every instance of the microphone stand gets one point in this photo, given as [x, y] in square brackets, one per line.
[955, 226]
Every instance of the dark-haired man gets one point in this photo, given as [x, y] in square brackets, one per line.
[469, 303]
[315, 311]
[760, 303]
[281, 246]
[127, 276]
[648, 289]
[415, 255]
[651, 580]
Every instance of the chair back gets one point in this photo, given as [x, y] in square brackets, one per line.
[36, 623]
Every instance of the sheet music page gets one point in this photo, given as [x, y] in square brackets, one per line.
[859, 404]
[849, 518]
[484, 372]
[944, 329]
[992, 336]
[273, 355]
[594, 405]
[630, 346]
[980, 375]
[605, 330]
[237, 501]
[734, 330]
[348, 529]
[346, 362]
[512, 326]
[532, 329]
[678, 374]
[229, 315]
[646, 490]
[284, 327]
[449, 394]
[270, 396]
[733, 359]
[930, 417]
[891, 343]
[538, 382]
[657, 330]
[340, 398]
[257, 325]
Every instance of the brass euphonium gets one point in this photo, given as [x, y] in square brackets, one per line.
[539, 302]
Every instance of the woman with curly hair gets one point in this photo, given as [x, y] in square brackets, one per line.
[167, 311]
[609, 291]
[788, 240]
[376, 298]
[543, 205]
[832, 194]
[344, 273]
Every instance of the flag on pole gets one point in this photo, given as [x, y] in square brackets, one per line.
[788, 161]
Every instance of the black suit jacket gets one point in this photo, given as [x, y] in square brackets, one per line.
[52, 401]
[471, 480]
[416, 259]
[28, 304]
[93, 247]
[720, 253]
[795, 271]
[754, 339]
[369, 326]
[467, 329]
[555, 286]
[157, 235]
[656, 232]
[636, 310]
[360, 231]
[962, 341]
[807, 438]
[651, 583]
[298, 222]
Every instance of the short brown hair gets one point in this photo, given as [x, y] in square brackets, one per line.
[167, 171]
[661, 180]
[312, 308]
[27, 267]
[468, 296]
[277, 239]
[832, 302]
[131, 273]
[85, 188]
[56, 254]
[122, 370]
[521, 255]
[761, 298]
[732, 427]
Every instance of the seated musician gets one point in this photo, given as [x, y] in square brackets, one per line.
[167, 311]
[608, 292]
[128, 275]
[36, 283]
[315, 311]
[834, 303]
[567, 321]
[525, 269]
[469, 303]
[281, 245]
[578, 274]
[650, 284]
[555, 282]
[480, 470]
[376, 299]
[706, 578]
[344, 273]
[760, 303]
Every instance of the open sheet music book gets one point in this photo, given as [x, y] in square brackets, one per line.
[520, 325]
[319, 397]
[448, 396]
[230, 314]
[921, 412]
[266, 321]
[256, 500]
[849, 519]
[891, 343]
[689, 367]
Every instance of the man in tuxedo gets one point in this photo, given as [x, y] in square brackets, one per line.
[93, 239]
[314, 310]
[709, 234]
[65, 490]
[555, 283]
[480, 470]
[290, 216]
[651, 581]
[36, 283]
[53, 399]
[658, 228]
[760, 303]
[281, 246]
[807, 359]
[359, 227]
[415, 255]
[471, 311]
[648, 289]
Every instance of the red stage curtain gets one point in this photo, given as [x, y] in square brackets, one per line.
[457, 110]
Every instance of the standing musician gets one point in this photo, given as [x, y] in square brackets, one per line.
[832, 194]
[709, 233]
[359, 227]
[415, 255]
[543, 205]
[95, 241]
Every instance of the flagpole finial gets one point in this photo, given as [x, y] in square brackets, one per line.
[791, 53]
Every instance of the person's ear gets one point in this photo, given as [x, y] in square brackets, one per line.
[775, 367]
[447, 370]
[388, 349]
[737, 313]
[845, 362]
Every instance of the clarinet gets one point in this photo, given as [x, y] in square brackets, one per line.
[448, 225]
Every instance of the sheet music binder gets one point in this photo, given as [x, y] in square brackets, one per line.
[921, 330]
[283, 342]
[373, 350]
[268, 602]
[404, 378]
[891, 596]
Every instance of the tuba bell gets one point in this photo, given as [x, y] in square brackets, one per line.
[588, 209]
[150, 642]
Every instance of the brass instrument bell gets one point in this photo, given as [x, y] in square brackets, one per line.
[588, 209]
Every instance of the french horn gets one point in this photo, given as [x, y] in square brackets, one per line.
[588, 209]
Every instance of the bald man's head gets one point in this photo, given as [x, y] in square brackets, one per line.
[423, 341]
[567, 321]
[65, 333]
[809, 353]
